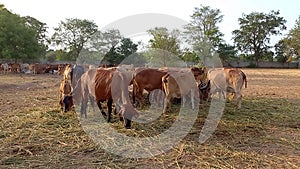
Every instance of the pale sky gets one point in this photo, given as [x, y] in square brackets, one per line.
[108, 11]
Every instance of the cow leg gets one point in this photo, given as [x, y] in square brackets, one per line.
[166, 104]
[140, 97]
[92, 100]
[238, 98]
[61, 105]
[109, 109]
[193, 99]
[183, 101]
[83, 105]
[101, 109]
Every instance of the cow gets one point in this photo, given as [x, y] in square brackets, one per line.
[24, 67]
[179, 84]
[75, 73]
[15, 67]
[52, 68]
[65, 95]
[38, 68]
[105, 85]
[204, 89]
[5, 67]
[148, 79]
[61, 69]
[67, 72]
[223, 80]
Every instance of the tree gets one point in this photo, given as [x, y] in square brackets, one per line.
[255, 31]
[292, 41]
[203, 28]
[165, 40]
[118, 53]
[280, 51]
[73, 34]
[227, 52]
[189, 56]
[40, 30]
[127, 47]
[17, 40]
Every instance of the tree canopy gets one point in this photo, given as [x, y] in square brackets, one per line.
[18, 39]
[255, 31]
[72, 35]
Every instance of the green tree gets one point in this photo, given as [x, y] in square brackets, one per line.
[255, 30]
[72, 35]
[118, 53]
[281, 51]
[189, 56]
[126, 48]
[40, 30]
[203, 28]
[292, 41]
[17, 40]
[227, 52]
[165, 40]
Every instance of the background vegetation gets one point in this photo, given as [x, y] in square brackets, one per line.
[24, 38]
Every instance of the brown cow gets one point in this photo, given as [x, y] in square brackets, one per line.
[51, 68]
[148, 79]
[105, 85]
[179, 84]
[65, 95]
[67, 72]
[15, 67]
[38, 68]
[61, 69]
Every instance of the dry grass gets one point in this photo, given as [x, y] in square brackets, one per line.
[265, 133]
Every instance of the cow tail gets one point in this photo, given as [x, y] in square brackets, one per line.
[133, 90]
[244, 78]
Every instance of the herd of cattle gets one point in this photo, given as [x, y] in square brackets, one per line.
[83, 84]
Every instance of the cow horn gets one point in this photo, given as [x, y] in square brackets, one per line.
[205, 86]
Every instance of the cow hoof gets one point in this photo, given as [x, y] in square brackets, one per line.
[127, 127]
[103, 113]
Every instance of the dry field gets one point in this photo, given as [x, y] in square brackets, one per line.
[265, 133]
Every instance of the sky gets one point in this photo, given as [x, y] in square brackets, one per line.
[106, 12]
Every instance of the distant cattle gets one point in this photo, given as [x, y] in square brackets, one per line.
[24, 67]
[38, 68]
[105, 85]
[52, 68]
[180, 84]
[5, 67]
[14, 67]
[65, 95]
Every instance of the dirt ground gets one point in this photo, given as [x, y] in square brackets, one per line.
[265, 133]
[21, 92]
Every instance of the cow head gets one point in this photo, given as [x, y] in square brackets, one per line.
[204, 89]
[68, 102]
[127, 111]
